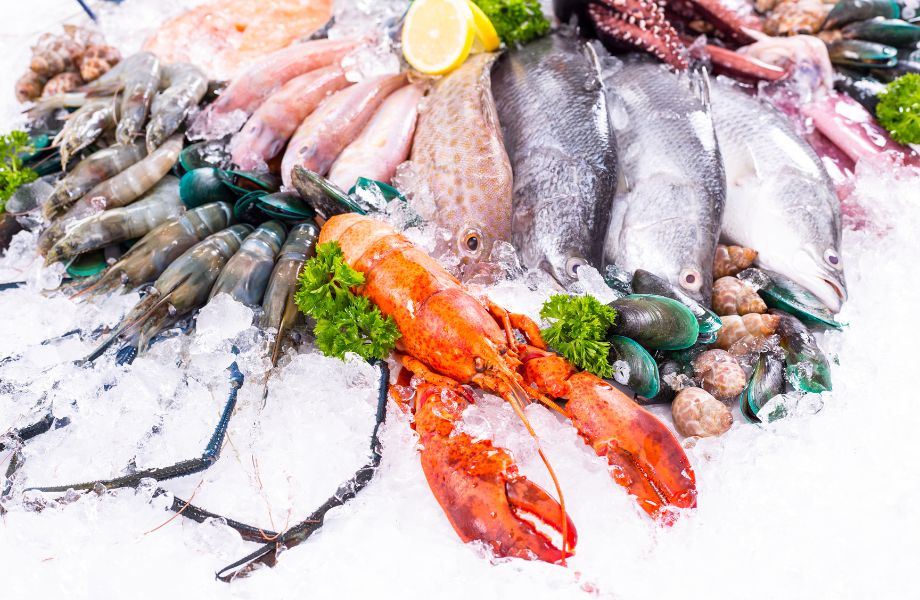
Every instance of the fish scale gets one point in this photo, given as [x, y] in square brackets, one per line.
[557, 132]
[458, 152]
[666, 218]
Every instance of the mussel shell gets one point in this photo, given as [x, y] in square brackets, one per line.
[29, 197]
[644, 282]
[37, 144]
[858, 53]
[211, 153]
[377, 188]
[88, 264]
[618, 280]
[243, 182]
[781, 292]
[643, 371]
[848, 11]
[767, 381]
[908, 62]
[287, 206]
[893, 32]
[655, 322]
[203, 186]
[323, 196]
[807, 369]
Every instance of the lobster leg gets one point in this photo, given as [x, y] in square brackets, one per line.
[644, 455]
[479, 488]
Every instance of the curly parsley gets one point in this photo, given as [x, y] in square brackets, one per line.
[12, 172]
[345, 322]
[579, 330]
[898, 109]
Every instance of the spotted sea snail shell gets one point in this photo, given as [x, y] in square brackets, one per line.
[746, 333]
[731, 296]
[720, 374]
[730, 260]
[697, 413]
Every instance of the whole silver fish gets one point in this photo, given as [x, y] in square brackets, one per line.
[668, 210]
[563, 154]
[780, 200]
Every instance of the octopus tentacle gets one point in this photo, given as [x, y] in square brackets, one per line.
[639, 23]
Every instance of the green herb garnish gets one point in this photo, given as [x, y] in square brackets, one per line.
[12, 173]
[579, 331]
[345, 322]
[515, 21]
[898, 109]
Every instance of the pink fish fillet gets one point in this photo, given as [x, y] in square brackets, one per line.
[383, 144]
[272, 125]
[249, 89]
[336, 123]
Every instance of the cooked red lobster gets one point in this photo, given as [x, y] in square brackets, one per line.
[451, 339]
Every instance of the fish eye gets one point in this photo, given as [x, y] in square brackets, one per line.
[573, 264]
[832, 258]
[691, 279]
[470, 242]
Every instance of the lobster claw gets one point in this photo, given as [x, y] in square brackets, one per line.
[644, 455]
[480, 490]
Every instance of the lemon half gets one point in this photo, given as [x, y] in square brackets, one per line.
[438, 35]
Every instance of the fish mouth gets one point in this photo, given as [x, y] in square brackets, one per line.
[828, 290]
[838, 289]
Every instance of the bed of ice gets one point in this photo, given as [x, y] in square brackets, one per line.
[814, 506]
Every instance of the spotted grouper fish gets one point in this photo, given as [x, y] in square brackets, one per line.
[553, 112]
[668, 211]
[780, 199]
[459, 155]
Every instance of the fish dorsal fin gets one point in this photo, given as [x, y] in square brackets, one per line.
[701, 88]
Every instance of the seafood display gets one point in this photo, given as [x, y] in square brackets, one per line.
[665, 204]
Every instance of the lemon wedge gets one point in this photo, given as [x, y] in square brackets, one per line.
[487, 39]
[438, 35]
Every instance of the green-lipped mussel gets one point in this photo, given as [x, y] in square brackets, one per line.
[636, 367]
[807, 368]
[849, 11]
[781, 292]
[893, 32]
[644, 282]
[862, 54]
[656, 322]
[767, 382]
[210, 184]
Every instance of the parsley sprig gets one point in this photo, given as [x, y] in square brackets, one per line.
[898, 109]
[345, 322]
[579, 330]
[12, 172]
